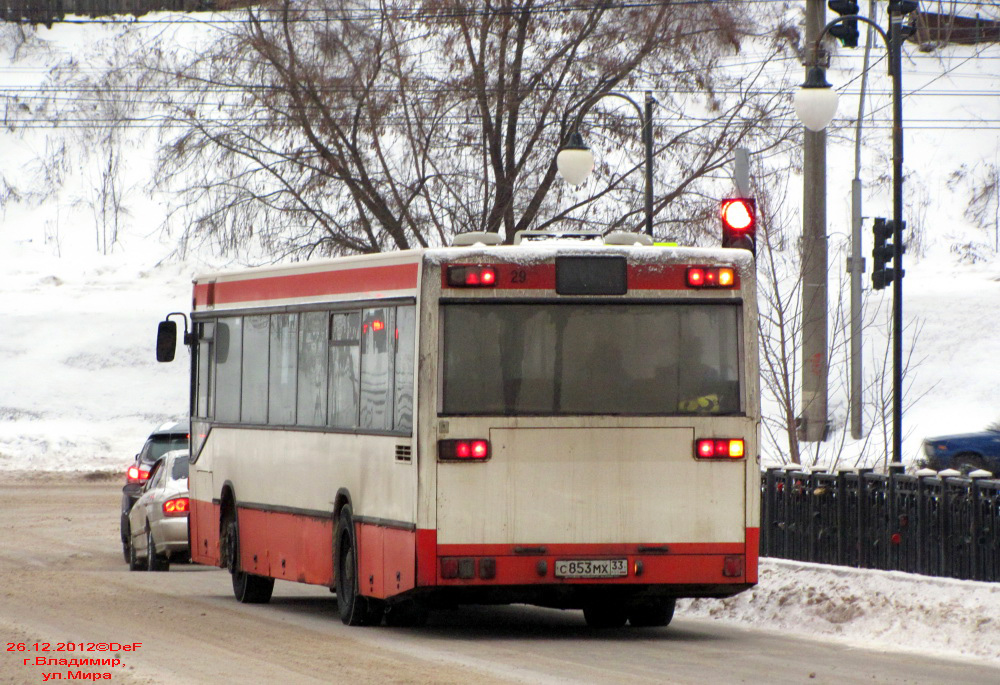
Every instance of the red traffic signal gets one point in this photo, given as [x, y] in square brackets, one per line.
[739, 223]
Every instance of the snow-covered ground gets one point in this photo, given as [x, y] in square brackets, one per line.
[885, 610]
[80, 388]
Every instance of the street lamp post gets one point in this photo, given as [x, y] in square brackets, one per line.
[815, 104]
[575, 160]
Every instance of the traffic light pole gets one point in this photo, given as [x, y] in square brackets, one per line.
[898, 9]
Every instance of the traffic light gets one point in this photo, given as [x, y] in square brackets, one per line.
[882, 253]
[847, 30]
[739, 223]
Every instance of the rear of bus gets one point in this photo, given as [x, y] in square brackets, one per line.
[590, 437]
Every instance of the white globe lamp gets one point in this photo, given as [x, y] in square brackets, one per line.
[816, 101]
[575, 161]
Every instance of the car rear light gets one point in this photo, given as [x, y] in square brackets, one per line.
[474, 449]
[711, 277]
[472, 276]
[137, 475]
[719, 448]
[176, 507]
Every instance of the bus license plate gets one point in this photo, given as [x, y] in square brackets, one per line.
[591, 568]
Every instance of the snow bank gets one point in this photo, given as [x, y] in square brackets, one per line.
[873, 609]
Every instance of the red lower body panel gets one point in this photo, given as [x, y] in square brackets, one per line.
[392, 561]
[286, 546]
[753, 553]
[296, 547]
[203, 523]
[386, 560]
[652, 564]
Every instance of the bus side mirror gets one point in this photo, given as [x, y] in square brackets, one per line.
[166, 341]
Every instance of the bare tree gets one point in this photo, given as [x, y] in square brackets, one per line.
[331, 126]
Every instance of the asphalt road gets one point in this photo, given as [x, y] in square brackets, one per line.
[64, 584]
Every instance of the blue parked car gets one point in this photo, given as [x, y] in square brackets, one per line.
[966, 452]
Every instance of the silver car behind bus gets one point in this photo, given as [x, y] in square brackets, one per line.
[159, 519]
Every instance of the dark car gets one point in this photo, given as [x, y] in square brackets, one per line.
[168, 437]
[966, 452]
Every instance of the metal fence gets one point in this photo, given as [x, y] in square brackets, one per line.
[938, 526]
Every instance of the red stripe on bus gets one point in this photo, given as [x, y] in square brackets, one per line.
[371, 279]
[753, 554]
[543, 277]
[643, 569]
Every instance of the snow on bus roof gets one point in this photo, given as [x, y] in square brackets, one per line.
[540, 252]
[313, 265]
[536, 252]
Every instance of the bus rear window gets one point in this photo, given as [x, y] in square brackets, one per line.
[586, 359]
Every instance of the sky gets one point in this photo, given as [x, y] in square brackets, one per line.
[80, 388]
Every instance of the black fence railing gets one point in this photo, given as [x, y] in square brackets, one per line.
[937, 526]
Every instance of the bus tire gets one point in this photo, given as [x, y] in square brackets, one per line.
[605, 615]
[655, 614]
[247, 587]
[354, 609]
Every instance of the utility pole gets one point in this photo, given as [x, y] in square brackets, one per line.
[856, 262]
[815, 361]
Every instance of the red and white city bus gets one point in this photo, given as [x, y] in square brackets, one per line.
[568, 423]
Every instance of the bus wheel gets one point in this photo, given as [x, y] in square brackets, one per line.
[247, 587]
[354, 609]
[655, 614]
[605, 615]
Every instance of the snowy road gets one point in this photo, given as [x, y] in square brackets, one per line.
[64, 581]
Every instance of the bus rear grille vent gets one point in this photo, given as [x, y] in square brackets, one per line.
[404, 453]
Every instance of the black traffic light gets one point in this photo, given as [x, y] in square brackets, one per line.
[882, 253]
[847, 30]
[739, 223]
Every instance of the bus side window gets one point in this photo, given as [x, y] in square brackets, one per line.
[283, 369]
[228, 365]
[203, 399]
[256, 336]
[312, 375]
[403, 382]
[345, 369]
[376, 368]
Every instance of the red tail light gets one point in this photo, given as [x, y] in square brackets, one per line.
[176, 507]
[137, 475]
[472, 276]
[464, 450]
[719, 448]
[711, 277]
